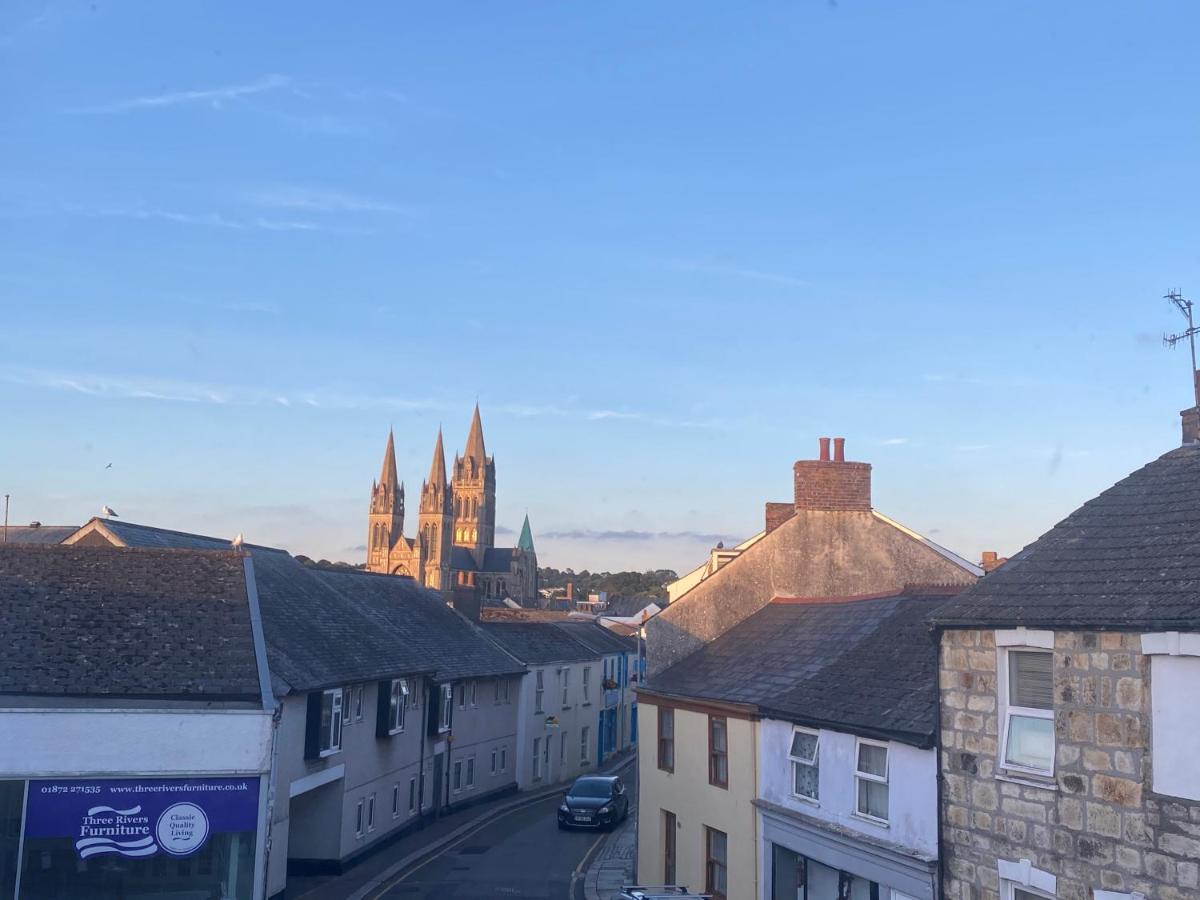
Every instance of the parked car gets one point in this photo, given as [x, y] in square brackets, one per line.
[659, 892]
[594, 801]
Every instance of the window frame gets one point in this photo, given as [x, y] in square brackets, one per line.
[370, 813]
[585, 735]
[539, 691]
[587, 685]
[711, 863]
[1008, 710]
[358, 820]
[1022, 875]
[456, 780]
[814, 763]
[396, 800]
[537, 759]
[337, 722]
[670, 846]
[665, 764]
[504, 759]
[469, 781]
[358, 703]
[860, 775]
[566, 687]
[397, 705]
[495, 759]
[412, 794]
[715, 756]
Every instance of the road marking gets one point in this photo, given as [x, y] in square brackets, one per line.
[444, 850]
[583, 863]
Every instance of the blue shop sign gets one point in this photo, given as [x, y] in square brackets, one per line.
[139, 817]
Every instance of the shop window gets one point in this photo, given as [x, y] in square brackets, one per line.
[666, 739]
[806, 764]
[718, 751]
[871, 780]
[716, 863]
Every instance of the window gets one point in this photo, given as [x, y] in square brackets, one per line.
[495, 759]
[718, 751]
[447, 696]
[1028, 701]
[1021, 881]
[666, 739]
[458, 773]
[412, 794]
[506, 682]
[566, 684]
[462, 695]
[358, 820]
[584, 739]
[470, 771]
[503, 759]
[1174, 660]
[496, 691]
[539, 691]
[587, 679]
[806, 764]
[330, 728]
[715, 865]
[474, 700]
[537, 759]
[358, 703]
[371, 813]
[395, 801]
[668, 847]
[562, 749]
[397, 701]
[871, 780]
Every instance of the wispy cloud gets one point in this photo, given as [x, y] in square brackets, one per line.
[734, 271]
[215, 97]
[894, 441]
[206, 220]
[529, 411]
[320, 200]
[588, 534]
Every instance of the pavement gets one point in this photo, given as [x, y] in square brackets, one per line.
[509, 847]
[613, 866]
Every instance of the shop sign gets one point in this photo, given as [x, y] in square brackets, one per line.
[140, 817]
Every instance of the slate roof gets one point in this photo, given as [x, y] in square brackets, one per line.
[627, 606]
[1129, 558]
[325, 627]
[596, 637]
[42, 534]
[88, 621]
[867, 666]
[497, 559]
[538, 643]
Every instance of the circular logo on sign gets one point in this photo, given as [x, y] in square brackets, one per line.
[182, 829]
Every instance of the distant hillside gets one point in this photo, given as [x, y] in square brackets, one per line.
[621, 584]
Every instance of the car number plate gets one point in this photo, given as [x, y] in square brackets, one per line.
[581, 817]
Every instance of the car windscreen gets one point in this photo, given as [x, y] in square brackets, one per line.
[591, 789]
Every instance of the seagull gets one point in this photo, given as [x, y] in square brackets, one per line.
[109, 466]
[107, 510]
[238, 541]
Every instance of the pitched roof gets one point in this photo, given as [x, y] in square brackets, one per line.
[497, 559]
[596, 637]
[538, 643]
[97, 621]
[132, 534]
[864, 666]
[1127, 558]
[37, 534]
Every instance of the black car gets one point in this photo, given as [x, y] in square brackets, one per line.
[594, 801]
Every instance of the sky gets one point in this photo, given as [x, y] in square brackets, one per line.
[666, 246]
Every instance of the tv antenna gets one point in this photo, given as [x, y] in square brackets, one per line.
[1170, 340]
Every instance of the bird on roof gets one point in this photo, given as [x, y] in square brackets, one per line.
[108, 511]
[238, 541]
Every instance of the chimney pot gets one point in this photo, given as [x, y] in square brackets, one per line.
[824, 442]
[839, 449]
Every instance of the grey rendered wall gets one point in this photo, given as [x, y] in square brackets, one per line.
[477, 730]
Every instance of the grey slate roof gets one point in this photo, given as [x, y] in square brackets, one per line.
[538, 643]
[42, 534]
[88, 621]
[597, 637]
[868, 667]
[1129, 558]
[497, 559]
[325, 627]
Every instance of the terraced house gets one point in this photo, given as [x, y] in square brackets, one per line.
[1069, 678]
[721, 735]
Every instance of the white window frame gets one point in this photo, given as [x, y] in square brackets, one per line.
[562, 748]
[1098, 894]
[474, 694]
[537, 759]
[496, 691]
[885, 779]
[1007, 710]
[358, 703]
[584, 740]
[504, 758]
[462, 695]
[397, 704]
[566, 686]
[396, 800]
[495, 758]
[507, 698]
[412, 794]
[587, 679]
[444, 712]
[336, 721]
[457, 782]
[814, 763]
[1023, 875]
[371, 813]
[358, 820]
[469, 780]
[539, 691]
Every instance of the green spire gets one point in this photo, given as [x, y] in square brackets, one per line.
[525, 542]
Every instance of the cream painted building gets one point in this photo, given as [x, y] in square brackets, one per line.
[696, 813]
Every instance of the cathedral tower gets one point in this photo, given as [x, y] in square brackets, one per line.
[436, 522]
[474, 489]
[387, 513]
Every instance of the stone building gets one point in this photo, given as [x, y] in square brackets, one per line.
[455, 540]
[1070, 752]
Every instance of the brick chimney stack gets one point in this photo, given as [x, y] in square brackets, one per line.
[991, 560]
[833, 484]
[1191, 417]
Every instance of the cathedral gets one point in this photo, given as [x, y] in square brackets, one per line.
[455, 541]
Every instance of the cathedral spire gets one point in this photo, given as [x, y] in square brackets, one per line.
[437, 469]
[525, 541]
[475, 448]
[387, 475]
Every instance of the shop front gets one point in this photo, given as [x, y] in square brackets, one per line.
[130, 838]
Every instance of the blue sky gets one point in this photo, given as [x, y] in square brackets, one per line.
[665, 245]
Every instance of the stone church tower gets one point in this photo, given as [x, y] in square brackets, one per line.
[387, 511]
[435, 521]
[474, 488]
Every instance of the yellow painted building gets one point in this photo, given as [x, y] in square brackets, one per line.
[697, 772]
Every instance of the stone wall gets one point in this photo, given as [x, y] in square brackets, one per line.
[1096, 824]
